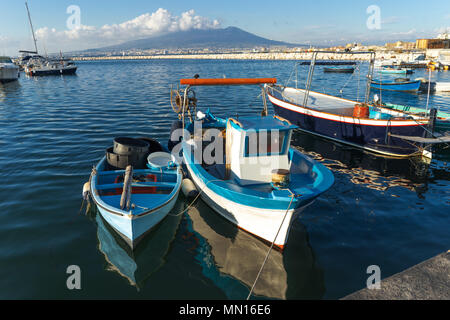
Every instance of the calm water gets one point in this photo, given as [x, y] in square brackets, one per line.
[391, 213]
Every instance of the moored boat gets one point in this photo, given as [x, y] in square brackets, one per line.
[395, 71]
[8, 70]
[131, 195]
[255, 180]
[50, 67]
[407, 86]
[442, 118]
[338, 70]
[362, 125]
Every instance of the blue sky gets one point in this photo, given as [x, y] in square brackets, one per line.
[307, 22]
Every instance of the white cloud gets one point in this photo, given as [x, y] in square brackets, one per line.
[143, 26]
[405, 33]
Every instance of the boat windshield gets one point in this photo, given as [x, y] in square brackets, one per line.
[5, 60]
[265, 143]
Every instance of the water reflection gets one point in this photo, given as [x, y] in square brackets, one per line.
[138, 265]
[9, 89]
[365, 169]
[231, 258]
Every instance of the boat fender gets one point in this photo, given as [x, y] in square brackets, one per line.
[188, 188]
[86, 190]
[173, 141]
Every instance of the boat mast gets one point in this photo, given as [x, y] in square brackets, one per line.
[31, 25]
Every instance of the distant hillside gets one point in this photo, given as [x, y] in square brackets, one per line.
[230, 37]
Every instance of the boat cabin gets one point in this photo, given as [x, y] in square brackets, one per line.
[255, 146]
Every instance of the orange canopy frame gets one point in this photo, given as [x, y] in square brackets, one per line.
[231, 81]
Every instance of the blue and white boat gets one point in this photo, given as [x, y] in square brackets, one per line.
[407, 86]
[395, 71]
[255, 180]
[135, 200]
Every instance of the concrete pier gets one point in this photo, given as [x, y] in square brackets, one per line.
[429, 280]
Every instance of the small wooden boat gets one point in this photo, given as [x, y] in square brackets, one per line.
[259, 189]
[442, 118]
[338, 70]
[407, 86]
[136, 199]
[395, 71]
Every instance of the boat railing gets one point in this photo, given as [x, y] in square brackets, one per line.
[313, 63]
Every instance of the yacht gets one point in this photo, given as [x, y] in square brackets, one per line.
[8, 70]
[38, 66]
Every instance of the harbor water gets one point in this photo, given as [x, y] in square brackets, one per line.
[392, 213]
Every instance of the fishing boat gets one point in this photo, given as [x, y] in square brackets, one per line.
[338, 70]
[359, 124]
[402, 85]
[8, 70]
[395, 71]
[135, 186]
[442, 118]
[255, 179]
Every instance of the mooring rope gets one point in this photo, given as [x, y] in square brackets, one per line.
[195, 199]
[271, 246]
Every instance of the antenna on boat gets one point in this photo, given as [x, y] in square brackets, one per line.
[31, 25]
[429, 88]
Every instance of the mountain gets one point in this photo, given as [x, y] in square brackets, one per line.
[230, 37]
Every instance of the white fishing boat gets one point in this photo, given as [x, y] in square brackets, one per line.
[8, 70]
[261, 189]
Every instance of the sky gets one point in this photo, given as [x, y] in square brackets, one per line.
[98, 23]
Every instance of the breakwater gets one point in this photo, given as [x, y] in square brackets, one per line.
[254, 56]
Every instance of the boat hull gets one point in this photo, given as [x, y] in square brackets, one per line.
[403, 71]
[409, 86]
[371, 135]
[267, 218]
[338, 70]
[133, 229]
[147, 211]
[52, 72]
[262, 223]
[9, 74]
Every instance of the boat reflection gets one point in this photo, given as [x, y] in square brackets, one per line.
[138, 265]
[231, 258]
[9, 89]
[373, 172]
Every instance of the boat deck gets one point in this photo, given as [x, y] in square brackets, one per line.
[319, 102]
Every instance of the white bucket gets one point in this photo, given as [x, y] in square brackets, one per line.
[158, 160]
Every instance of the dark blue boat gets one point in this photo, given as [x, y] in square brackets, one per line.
[333, 118]
[362, 125]
[406, 86]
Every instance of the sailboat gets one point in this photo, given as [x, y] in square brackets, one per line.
[35, 65]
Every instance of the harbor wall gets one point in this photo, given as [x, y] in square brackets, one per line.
[255, 56]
